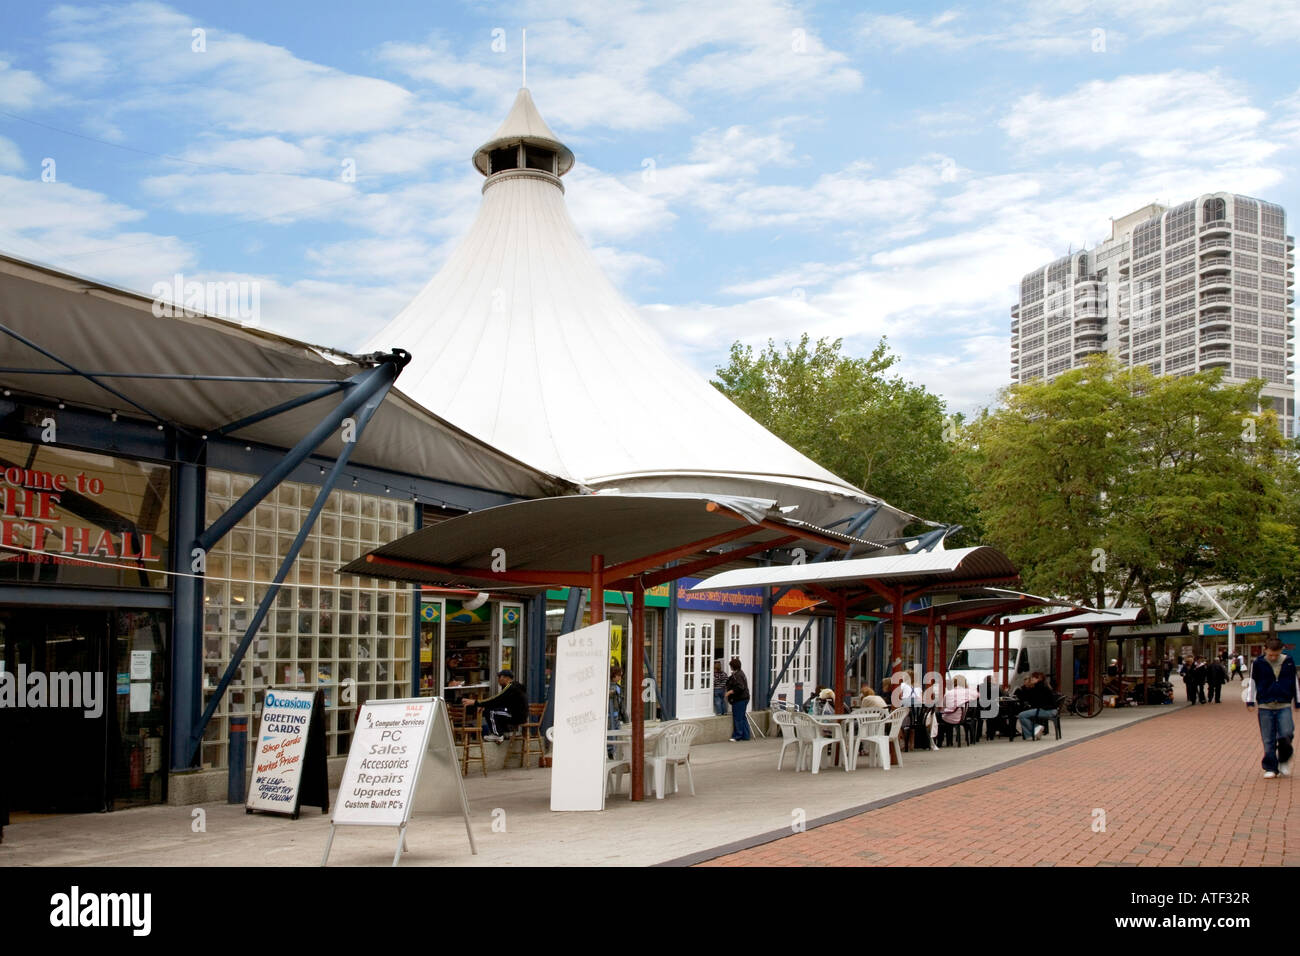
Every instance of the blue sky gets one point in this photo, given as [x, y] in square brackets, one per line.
[746, 169]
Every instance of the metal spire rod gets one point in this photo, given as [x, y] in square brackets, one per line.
[524, 48]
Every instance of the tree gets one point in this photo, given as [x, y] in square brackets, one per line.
[885, 435]
[1111, 482]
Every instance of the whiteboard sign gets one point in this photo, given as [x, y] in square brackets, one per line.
[581, 706]
[384, 762]
[281, 751]
[402, 760]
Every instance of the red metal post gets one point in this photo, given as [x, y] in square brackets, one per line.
[943, 648]
[841, 624]
[636, 676]
[896, 650]
[597, 588]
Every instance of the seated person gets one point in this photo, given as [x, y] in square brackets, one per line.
[504, 712]
[955, 698]
[904, 694]
[870, 698]
[823, 703]
[1036, 694]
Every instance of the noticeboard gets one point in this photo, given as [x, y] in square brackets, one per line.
[581, 706]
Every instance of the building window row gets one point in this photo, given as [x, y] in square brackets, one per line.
[1245, 371]
[1179, 325]
[1145, 266]
[1243, 261]
[1272, 303]
[1240, 297]
[1244, 353]
[1267, 284]
[1271, 321]
[1148, 352]
[1270, 357]
[1275, 249]
[1181, 360]
[1245, 335]
[1146, 335]
[1180, 270]
[1272, 338]
[1271, 221]
[1063, 332]
[1183, 305]
[1058, 366]
[1184, 341]
[1274, 267]
[1180, 252]
[1249, 243]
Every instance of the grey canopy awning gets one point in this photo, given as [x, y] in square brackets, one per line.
[551, 542]
[96, 327]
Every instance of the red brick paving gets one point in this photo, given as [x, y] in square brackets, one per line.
[1182, 789]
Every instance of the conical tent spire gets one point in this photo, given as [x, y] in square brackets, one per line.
[522, 341]
[524, 124]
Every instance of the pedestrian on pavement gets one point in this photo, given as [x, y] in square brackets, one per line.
[1272, 689]
[719, 686]
[737, 694]
[1215, 676]
[1189, 679]
[1241, 666]
[1199, 670]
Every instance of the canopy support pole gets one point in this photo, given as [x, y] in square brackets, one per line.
[841, 623]
[636, 697]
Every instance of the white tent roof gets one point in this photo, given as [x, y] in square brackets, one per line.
[522, 341]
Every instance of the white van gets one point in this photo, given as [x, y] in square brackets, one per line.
[1029, 651]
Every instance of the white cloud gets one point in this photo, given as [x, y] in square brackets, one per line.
[1157, 117]
[11, 159]
[235, 83]
[19, 89]
[265, 197]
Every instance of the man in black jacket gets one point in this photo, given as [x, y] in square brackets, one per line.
[1216, 675]
[507, 710]
[1039, 702]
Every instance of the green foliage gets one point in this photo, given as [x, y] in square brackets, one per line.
[879, 432]
[1113, 482]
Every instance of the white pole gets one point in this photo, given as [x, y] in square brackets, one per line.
[524, 48]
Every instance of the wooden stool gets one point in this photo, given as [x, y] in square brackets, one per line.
[468, 735]
[527, 734]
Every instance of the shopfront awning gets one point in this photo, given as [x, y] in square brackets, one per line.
[553, 541]
[166, 369]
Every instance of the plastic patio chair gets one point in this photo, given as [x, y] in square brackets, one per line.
[789, 737]
[672, 749]
[879, 745]
[814, 742]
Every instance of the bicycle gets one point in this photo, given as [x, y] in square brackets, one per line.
[1086, 704]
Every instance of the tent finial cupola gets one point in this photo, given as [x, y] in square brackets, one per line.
[523, 142]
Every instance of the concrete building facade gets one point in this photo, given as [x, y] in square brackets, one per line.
[1205, 284]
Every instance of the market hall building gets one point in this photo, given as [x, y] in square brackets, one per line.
[527, 376]
[114, 636]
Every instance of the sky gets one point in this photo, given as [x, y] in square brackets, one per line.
[746, 169]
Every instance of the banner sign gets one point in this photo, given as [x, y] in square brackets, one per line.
[581, 712]
[742, 600]
[74, 512]
[1255, 625]
[281, 751]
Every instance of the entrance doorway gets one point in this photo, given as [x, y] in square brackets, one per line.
[83, 707]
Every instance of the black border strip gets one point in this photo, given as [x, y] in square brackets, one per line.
[771, 836]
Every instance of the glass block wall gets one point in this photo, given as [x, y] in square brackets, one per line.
[324, 629]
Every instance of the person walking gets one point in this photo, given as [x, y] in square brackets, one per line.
[1189, 679]
[1216, 675]
[737, 694]
[1272, 690]
[1198, 679]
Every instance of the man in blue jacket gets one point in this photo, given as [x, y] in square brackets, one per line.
[1272, 686]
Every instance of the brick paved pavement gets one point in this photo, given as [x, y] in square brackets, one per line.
[1184, 790]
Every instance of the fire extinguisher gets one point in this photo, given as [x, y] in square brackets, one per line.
[137, 769]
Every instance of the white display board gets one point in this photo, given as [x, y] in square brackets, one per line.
[281, 751]
[580, 717]
[402, 760]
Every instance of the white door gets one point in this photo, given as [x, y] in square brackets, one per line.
[695, 639]
[783, 639]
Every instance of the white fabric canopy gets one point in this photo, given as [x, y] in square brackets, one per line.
[522, 341]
